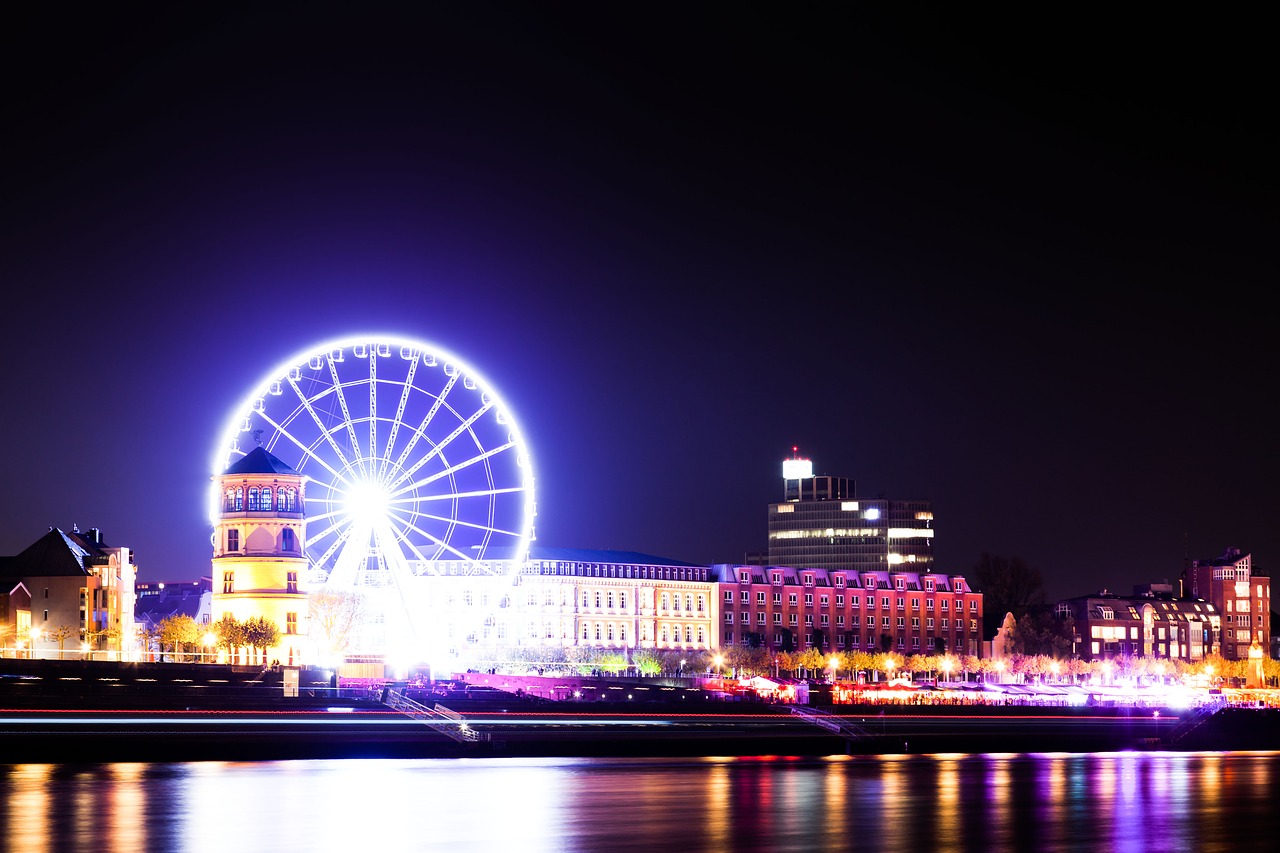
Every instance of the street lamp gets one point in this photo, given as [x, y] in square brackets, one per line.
[889, 666]
[999, 672]
[1055, 668]
[835, 667]
[946, 669]
[719, 661]
[209, 641]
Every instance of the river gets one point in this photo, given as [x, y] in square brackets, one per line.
[1127, 801]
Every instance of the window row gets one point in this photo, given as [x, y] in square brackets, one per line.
[288, 541]
[261, 499]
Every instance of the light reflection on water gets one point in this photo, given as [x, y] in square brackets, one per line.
[1125, 801]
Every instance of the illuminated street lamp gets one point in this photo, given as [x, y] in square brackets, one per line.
[889, 666]
[719, 662]
[209, 641]
[1055, 669]
[999, 672]
[946, 668]
[834, 663]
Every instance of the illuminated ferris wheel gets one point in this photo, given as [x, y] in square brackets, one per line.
[410, 455]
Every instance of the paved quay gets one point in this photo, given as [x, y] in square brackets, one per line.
[69, 720]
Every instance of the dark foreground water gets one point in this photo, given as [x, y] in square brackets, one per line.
[1130, 801]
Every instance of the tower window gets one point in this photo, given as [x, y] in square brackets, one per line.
[228, 583]
[291, 622]
[288, 540]
[233, 540]
[292, 583]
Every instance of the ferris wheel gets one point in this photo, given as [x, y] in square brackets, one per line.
[411, 457]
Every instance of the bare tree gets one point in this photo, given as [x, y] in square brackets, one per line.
[1008, 585]
[333, 617]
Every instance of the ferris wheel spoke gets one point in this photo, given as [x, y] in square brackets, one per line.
[346, 413]
[479, 493]
[451, 469]
[282, 432]
[401, 406]
[427, 420]
[373, 410]
[472, 525]
[320, 425]
[439, 447]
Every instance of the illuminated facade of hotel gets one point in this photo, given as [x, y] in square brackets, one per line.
[790, 609]
[1240, 594]
[821, 523]
[1151, 623]
[564, 598]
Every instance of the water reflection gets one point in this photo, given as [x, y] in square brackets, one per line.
[1115, 801]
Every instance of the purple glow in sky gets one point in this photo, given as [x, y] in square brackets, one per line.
[1010, 264]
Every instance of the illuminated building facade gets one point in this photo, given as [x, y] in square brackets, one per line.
[565, 598]
[81, 596]
[790, 609]
[1151, 623]
[259, 567]
[820, 523]
[1240, 593]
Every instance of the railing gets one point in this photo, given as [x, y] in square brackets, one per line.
[441, 719]
[1192, 722]
[830, 722]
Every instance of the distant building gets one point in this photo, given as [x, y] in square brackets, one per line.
[792, 609]
[1151, 623]
[157, 602]
[1240, 593]
[78, 594]
[822, 523]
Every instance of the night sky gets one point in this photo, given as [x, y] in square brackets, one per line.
[1017, 266]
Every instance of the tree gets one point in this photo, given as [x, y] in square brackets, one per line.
[333, 617]
[230, 635]
[261, 634]
[647, 663]
[61, 634]
[1008, 585]
[177, 632]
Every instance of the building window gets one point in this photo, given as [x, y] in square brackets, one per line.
[839, 601]
[808, 599]
[777, 618]
[292, 582]
[291, 623]
[233, 540]
[728, 596]
[792, 599]
[777, 599]
[728, 617]
[288, 540]
[228, 583]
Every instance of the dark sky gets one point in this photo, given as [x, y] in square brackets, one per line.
[1018, 266]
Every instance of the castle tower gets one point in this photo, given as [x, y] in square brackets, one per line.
[259, 565]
